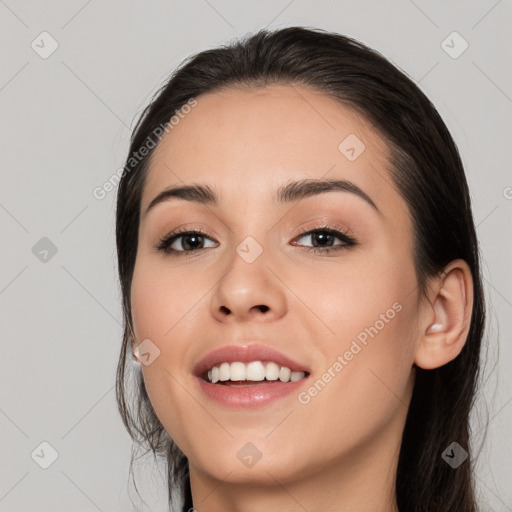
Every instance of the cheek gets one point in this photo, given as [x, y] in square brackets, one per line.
[164, 302]
[163, 312]
[166, 309]
[349, 295]
[369, 312]
[365, 386]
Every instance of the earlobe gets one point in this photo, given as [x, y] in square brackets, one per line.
[435, 327]
[132, 350]
[446, 317]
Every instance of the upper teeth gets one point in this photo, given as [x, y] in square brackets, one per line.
[254, 371]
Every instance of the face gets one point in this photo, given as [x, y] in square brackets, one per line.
[326, 279]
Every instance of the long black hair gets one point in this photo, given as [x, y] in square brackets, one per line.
[427, 170]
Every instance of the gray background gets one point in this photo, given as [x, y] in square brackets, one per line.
[64, 130]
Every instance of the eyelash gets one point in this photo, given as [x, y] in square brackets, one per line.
[348, 241]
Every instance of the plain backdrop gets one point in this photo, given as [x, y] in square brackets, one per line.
[74, 76]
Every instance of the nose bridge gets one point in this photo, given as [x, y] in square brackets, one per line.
[247, 287]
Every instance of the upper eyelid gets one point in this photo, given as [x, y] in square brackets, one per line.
[325, 227]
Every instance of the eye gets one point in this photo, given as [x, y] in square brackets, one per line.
[189, 242]
[323, 239]
[185, 242]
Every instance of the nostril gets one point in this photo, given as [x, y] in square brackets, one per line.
[262, 308]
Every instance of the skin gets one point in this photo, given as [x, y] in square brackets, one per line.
[340, 450]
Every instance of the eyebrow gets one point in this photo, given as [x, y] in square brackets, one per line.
[294, 191]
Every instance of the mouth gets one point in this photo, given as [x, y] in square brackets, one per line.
[249, 375]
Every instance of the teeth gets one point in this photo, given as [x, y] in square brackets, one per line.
[224, 370]
[254, 371]
[237, 371]
[296, 376]
[272, 371]
[285, 374]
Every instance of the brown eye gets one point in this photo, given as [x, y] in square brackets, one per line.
[186, 241]
[323, 240]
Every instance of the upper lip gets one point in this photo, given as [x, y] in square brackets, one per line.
[245, 354]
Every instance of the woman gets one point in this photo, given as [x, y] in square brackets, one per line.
[301, 286]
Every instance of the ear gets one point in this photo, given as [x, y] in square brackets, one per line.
[446, 317]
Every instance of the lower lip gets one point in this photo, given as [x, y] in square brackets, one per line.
[250, 396]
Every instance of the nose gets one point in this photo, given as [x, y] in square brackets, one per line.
[248, 291]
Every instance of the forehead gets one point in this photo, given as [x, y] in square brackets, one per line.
[248, 142]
